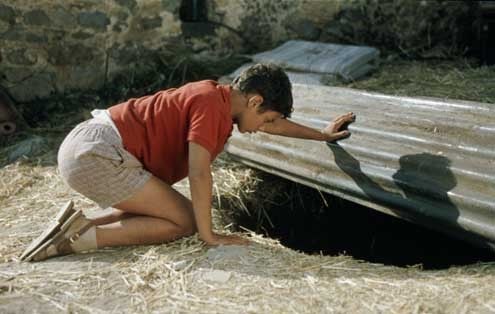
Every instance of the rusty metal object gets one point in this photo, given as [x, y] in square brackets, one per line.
[7, 114]
[428, 161]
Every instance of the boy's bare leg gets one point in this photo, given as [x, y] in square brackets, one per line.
[162, 215]
[106, 218]
[138, 230]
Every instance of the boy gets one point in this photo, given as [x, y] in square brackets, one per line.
[128, 157]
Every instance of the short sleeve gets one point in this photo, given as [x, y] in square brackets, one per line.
[204, 122]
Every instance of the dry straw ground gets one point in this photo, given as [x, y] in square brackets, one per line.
[186, 276]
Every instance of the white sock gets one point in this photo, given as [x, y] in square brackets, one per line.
[86, 241]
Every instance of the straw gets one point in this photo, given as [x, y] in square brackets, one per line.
[187, 276]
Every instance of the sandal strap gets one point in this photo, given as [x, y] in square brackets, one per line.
[73, 238]
[64, 244]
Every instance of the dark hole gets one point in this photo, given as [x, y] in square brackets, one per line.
[486, 32]
[7, 128]
[193, 11]
[306, 220]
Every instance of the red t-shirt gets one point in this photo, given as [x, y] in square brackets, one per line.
[157, 128]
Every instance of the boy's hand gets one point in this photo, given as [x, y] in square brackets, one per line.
[333, 130]
[219, 239]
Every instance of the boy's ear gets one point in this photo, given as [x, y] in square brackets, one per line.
[256, 101]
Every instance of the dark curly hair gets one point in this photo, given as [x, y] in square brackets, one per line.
[271, 82]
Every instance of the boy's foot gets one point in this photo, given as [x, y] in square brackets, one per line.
[64, 241]
[64, 213]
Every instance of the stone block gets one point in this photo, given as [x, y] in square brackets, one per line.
[4, 26]
[13, 74]
[27, 148]
[304, 29]
[130, 4]
[21, 57]
[35, 38]
[82, 35]
[67, 54]
[171, 6]
[150, 23]
[61, 17]
[38, 85]
[36, 17]
[7, 14]
[84, 77]
[96, 20]
[124, 55]
[15, 33]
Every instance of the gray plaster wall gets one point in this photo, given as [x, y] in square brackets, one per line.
[53, 47]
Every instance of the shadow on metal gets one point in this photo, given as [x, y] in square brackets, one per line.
[415, 173]
[427, 161]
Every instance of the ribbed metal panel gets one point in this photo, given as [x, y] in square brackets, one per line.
[429, 161]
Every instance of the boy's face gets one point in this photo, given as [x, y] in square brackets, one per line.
[252, 118]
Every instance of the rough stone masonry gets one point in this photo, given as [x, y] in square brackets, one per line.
[54, 47]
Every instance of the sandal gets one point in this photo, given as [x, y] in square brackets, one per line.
[64, 213]
[60, 243]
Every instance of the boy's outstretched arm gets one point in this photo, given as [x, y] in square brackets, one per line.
[330, 133]
[200, 180]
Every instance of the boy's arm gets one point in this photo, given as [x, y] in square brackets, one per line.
[201, 183]
[330, 133]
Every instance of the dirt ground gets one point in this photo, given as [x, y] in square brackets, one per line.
[186, 276]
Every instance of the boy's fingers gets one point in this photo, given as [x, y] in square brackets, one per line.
[343, 119]
[237, 242]
[348, 116]
[340, 135]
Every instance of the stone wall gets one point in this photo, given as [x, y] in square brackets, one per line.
[54, 47]
[265, 23]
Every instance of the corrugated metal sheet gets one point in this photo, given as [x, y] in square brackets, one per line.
[428, 161]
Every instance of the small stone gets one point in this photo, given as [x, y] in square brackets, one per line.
[28, 148]
[118, 27]
[226, 252]
[179, 265]
[216, 275]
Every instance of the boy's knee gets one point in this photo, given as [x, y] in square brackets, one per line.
[188, 228]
